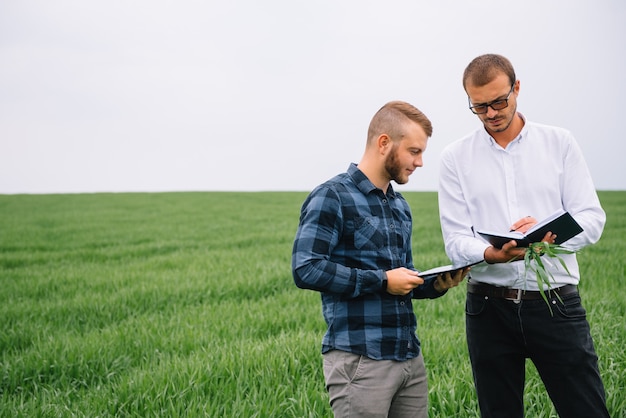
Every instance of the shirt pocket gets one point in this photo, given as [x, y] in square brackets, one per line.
[368, 234]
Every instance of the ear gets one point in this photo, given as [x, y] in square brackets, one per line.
[383, 142]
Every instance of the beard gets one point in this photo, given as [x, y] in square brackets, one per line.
[508, 119]
[393, 168]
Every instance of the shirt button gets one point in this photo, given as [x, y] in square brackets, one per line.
[384, 200]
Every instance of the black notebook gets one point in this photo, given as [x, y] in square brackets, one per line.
[560, 223]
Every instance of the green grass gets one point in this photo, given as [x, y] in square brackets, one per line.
[183, 305]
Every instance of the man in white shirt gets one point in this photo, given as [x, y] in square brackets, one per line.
[497, 178]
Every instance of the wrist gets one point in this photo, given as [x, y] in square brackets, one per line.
[489, 256]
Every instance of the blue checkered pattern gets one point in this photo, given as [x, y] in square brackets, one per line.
[350, 233]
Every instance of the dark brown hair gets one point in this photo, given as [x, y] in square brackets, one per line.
[483, 69]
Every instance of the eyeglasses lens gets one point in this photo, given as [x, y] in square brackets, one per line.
[497, 105]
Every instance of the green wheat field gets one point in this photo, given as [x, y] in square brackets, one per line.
[183, 305]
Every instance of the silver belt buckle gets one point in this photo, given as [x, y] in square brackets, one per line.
[518, 297]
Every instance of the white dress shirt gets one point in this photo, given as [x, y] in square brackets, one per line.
[485, 187]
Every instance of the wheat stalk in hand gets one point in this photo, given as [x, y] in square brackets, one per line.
[544, 277]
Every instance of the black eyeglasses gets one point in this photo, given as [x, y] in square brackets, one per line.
[495, 105]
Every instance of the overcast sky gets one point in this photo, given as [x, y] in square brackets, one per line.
[145, 95]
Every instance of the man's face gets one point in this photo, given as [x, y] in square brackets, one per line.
[498, 91]
[406, 155]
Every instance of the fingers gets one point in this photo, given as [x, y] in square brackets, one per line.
[401, 281]
[549, 238]
[523, 224]
[508, 252]
[510, 249]
[450, 280]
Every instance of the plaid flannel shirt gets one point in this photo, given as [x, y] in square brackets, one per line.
[350, 233]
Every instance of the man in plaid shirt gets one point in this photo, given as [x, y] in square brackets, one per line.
[353, 245]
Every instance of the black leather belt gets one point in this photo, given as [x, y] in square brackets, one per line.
[516, 294]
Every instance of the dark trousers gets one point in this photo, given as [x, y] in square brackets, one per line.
[501, 334]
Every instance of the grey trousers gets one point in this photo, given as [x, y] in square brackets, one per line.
[361, 387]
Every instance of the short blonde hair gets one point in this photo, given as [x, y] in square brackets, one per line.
[391, 120]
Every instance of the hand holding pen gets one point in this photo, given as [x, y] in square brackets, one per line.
[523, 224]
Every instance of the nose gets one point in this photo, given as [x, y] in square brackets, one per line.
[417, 161]
[491, 112]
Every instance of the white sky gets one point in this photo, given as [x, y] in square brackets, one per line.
[143, 95]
